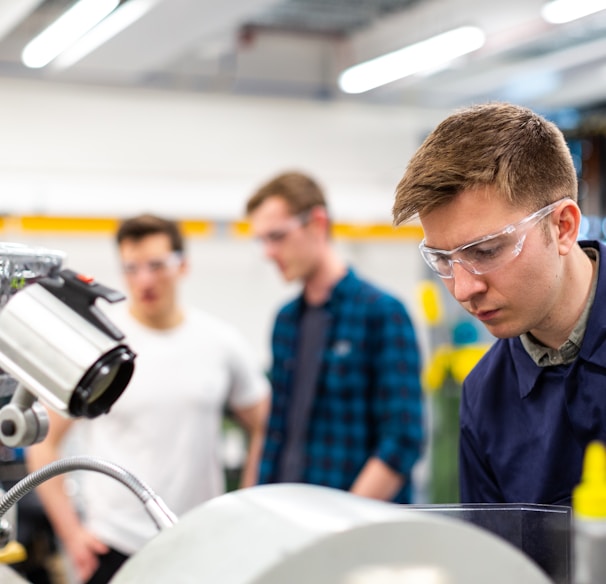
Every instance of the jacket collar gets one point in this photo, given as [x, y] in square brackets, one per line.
[593, 346]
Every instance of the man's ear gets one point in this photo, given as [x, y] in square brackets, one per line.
[184, 266]
[568, 219]
[319, 216]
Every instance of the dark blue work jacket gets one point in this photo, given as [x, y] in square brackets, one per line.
[524, 428]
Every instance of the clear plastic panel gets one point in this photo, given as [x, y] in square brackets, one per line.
[542, 532]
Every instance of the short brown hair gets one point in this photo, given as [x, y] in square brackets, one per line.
[495, 144]
[300, 191]
[136, 228]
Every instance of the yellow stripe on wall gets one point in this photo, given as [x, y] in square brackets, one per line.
[352, 231]
[376, 231]
[62, 224]
[240, 229]
[91, 225]
[197, 228]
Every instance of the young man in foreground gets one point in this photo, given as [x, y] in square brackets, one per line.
[495, 189]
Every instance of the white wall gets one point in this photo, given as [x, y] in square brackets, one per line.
[88, 150]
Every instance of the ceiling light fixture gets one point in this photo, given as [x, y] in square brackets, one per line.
[116, 22]
[66, 30]
[560, 11]
[426, 55]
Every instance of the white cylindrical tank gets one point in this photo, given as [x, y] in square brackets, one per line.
[303, 534]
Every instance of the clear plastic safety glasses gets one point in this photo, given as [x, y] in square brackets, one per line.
[277, 236]
[487, 253]
[154, 266]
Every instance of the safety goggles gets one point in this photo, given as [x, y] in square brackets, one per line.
[276, 236]
[154, 266]
[487, 253]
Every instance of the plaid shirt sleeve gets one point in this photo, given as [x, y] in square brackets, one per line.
[396, 399]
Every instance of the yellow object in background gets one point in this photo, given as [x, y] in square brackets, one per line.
[434, 374]
[12, 553]
[464, 359]
[589, 517]
[431, 303]
[589, 496]
[454, 361]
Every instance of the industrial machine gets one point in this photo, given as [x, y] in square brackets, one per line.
[56, 345]
[303, 534]
[57, 349]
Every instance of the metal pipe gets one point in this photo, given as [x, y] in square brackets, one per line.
[162, 516]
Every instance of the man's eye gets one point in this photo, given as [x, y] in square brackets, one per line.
[485, 252]
[275, 236]
[440, 260]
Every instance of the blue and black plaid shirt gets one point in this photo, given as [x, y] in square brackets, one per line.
[368, 400]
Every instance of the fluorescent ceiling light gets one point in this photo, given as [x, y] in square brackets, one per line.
[426, 55]
[117, 21]
[560, 11]
[67, 29]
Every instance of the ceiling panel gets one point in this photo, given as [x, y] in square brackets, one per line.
[297, 48]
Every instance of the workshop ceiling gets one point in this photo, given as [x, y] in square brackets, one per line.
[297, 48]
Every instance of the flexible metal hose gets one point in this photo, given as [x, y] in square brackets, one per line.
[163, 517]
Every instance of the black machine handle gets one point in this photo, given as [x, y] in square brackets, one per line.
[80, 293]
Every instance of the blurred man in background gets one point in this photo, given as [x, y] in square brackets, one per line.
[166, 427]
[346, 403]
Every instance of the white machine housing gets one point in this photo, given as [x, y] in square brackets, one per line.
[305, 534]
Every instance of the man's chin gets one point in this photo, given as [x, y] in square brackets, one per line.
[287, 275]
[148, 307]
[501, 332]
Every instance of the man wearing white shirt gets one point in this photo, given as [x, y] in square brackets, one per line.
[166, 427]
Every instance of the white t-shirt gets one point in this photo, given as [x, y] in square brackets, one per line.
[166, 426]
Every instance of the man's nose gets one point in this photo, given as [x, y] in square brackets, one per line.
[269, 249]
[466, 285]
[143, 274]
